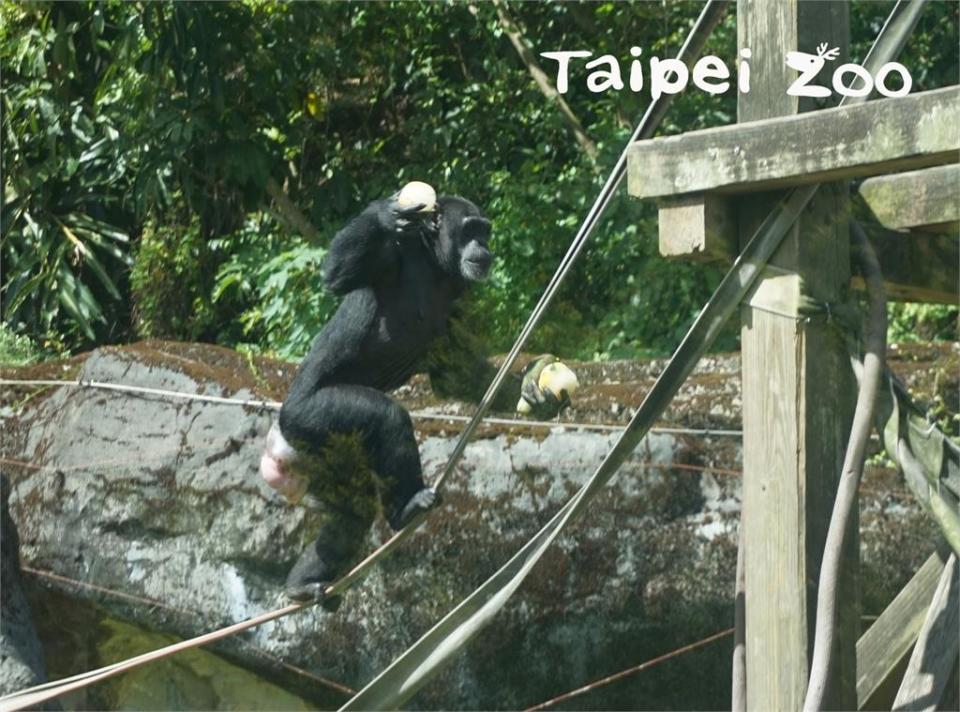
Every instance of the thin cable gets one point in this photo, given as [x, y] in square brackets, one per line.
[709, 469]
[143, 600]
[163, 392]
[418, 414]
[630, 671]
[693, 467]
[708, 19]
[573, 425]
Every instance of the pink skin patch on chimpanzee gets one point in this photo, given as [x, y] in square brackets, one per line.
[273, 471]
[292, 487]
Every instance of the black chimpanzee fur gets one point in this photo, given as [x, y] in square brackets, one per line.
[399, 272]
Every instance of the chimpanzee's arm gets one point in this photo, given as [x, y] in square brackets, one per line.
[362, 251]
[459, 369]
[366, 250]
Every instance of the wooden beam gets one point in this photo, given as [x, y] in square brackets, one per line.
[935, 654]
[927, 199]
[878, 137]
[917, 267]
[887, 642]
[797, 391]
[698, 227]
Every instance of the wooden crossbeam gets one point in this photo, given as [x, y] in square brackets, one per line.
[878, 137]
[935, 654]
[888, 641]
[917, 267]
[927, 199]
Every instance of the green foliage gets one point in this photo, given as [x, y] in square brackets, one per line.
[170, 276]
[921, 322]
[17, 349]
[274, 283]
[64, 173]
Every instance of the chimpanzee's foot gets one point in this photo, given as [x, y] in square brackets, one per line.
[422, 501]
[314, 593]
[310, 577]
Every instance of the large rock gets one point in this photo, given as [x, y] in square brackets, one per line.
[159, 501]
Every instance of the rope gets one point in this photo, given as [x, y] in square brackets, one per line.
[419, 414]
[333, 684]
[35, 696]
[630, 671]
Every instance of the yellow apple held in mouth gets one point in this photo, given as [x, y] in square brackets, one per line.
[418, 193]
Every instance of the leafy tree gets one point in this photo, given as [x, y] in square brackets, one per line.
[218, 146]
[65, 173]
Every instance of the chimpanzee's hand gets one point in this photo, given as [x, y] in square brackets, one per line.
[536, 401]
[405, 220]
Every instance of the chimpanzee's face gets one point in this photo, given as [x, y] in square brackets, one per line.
[462, 239]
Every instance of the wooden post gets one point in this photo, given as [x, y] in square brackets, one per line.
[797, 392]
[698, 227]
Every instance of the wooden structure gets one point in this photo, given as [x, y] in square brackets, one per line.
[714, 187]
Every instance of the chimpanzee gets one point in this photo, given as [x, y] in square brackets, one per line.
[400, 269]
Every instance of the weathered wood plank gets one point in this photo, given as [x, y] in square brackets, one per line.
[917, 267]
[887, 642]
[935, 653]
[878, 137]
[927, 199]
[797, 392]
[698, 227]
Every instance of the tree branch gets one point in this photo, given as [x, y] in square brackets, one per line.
[512, 30]
[290, 213]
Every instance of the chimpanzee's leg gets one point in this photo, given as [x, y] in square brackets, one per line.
[323, 561]
[306, 426]
[395, 458]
